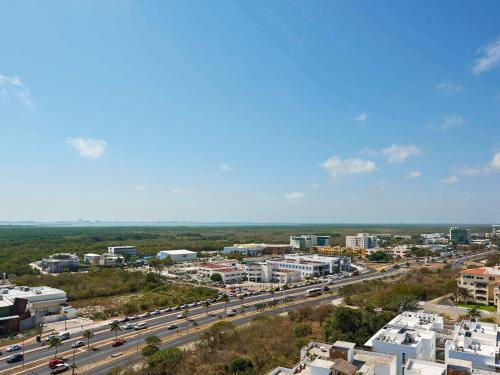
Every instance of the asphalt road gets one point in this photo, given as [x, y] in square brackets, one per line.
[157, 325]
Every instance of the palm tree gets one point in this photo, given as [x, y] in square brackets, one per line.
[153, 341]
[241, 297]
[207, 305]
[463, 294]
[186, 312]
[225, 299]
[55, 342]
[115, 327]
[88, 334]
[285, 288]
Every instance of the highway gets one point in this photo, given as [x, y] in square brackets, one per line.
[37, 356]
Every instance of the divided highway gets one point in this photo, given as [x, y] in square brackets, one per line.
[37, 356]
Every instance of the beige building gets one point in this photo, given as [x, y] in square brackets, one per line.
[481, 284]
[338, 250]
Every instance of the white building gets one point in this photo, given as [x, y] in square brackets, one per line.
[60, 262]
[400, 251]
[339, 358]
[255, 249]
[336, 263]
[408, 335]
[42, 300]
[475, 342]
[104, 260]
[361, 241]
[178, 256]
[230, 273]
[123, 250]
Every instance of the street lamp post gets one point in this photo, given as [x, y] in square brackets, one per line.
[23, 353]
[73, 365]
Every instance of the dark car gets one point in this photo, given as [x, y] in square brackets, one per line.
[172, 326]
[15, 358]
[118, 343]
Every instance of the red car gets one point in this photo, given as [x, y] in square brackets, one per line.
[118, 343]
[55, 362]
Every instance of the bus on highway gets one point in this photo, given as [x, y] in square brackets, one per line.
[313, 292]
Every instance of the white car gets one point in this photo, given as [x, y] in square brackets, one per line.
[127, 326]
[181, 316]
[140, 326]
[78, 344]
[14, 348]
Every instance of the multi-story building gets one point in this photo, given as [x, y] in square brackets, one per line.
[178, 256]
[481, 285]
[267, 272]
[256, 249]
[61, 262]
[495, 230]
[307, 241]
[408, 335]
[338, 250]
[336, 264]
[230, 273]
[123, 250]
[361, 241]
[475, 342]
[104, 260]
[341, 358]
[400, 251]
[459, 236]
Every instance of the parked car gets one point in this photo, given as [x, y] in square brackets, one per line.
[172, 326]
[78, 344]
[53, 363]
[140, 326]
[59, 368]
[118, 343]
[15, 358]
[14, 348]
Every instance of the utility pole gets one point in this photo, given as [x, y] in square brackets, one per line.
[23, 352]
[73, 365]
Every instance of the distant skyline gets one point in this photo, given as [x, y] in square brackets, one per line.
[259, 112]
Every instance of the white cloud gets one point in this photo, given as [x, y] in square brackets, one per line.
[414, 174]
[450, 121]
[224, 167]
[88, 147]
[337, 166]
[361, 117]
[179, 190]
[448, 87]
[495, 162]
[450, 180]
[399, 153]
[472, 171]
[294, 197]
[490, 57]
[14, 83]
[140, 188]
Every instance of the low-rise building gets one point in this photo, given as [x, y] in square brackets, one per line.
[336, 263]
[60, 262]
[341, 358]
[123, 250]
[338, 250]
[361, 241]
[104, 260]
[256, 249]
[408, 335]
[476, 342]
[480, 284]
[230, 273]
[178, 256]
[400, 251]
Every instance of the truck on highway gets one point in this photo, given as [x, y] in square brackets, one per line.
[313, 292]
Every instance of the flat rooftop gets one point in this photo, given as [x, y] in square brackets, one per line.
[426, 367]
[178, 252]
[476, 337]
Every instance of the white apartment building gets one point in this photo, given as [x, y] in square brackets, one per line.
[265, 272]
[60, 262]
[475, 342]
[361, 241]
[339, 358]
[123, 250]
[178, 256]
[408, 335]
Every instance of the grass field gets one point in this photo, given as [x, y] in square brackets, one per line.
[478, 306]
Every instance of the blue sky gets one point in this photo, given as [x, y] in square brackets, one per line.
[324, 111]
